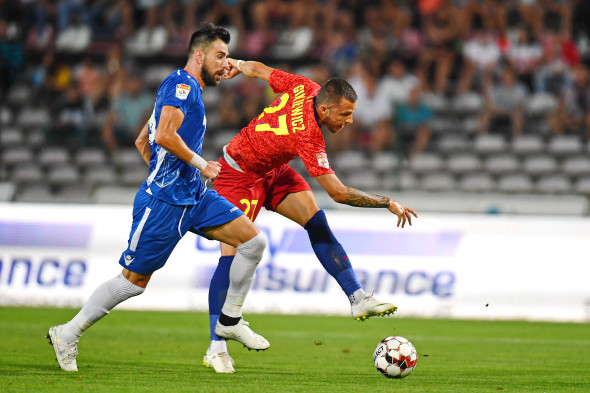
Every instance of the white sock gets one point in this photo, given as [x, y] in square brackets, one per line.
[241, 274]
[357, 296]
[217, 346]
[103, 299]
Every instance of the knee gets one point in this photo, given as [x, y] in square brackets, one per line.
[253, 248]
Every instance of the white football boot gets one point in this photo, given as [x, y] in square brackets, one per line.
[369, 307]
[242, 334]
[221, 362]
[64, 352]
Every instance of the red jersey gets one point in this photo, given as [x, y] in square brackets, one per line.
[284, 130]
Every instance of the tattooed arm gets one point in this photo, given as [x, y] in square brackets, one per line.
[351, 196]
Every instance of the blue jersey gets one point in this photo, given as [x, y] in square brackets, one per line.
[171, 179]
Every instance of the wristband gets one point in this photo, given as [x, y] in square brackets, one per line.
[198, 162]
[238, 65]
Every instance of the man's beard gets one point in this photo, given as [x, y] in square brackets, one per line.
[208, 78]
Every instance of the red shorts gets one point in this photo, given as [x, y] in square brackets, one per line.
[249, 194]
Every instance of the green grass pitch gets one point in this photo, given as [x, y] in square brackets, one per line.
[131, 351]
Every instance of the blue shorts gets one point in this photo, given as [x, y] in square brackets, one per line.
[158, 226]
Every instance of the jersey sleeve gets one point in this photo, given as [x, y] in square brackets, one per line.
[179, 93]
[314, 157]
[281, 81]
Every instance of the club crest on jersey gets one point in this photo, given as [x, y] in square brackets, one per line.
[182, 91]
[322, 160]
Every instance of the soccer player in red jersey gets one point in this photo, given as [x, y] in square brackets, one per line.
[255, 173]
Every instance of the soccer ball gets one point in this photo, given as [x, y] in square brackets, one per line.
[395, 357]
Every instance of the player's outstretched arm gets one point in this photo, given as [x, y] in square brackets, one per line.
[252, 69]
[351, 196]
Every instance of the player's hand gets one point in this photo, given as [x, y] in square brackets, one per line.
[212, 170]
[232, 70]
[402, 212]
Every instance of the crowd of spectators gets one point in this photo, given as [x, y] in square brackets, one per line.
[95, 64]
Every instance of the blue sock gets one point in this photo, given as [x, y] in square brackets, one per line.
[218, 291]
[330, 253]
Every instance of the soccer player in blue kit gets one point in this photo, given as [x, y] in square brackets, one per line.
[173, 199]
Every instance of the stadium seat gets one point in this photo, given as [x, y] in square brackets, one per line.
[402, 181]
[33, 117]
[101, 175]
[489, 144]
[463, 163]
[426, 162]
[477, 182]
[6, 116]
[62, 174]
[563, 145]
[540, 165]
[437, 102]
[502, 164]
[114, 194]
[539, 104]
[528, 144]
[576, 166]
[11, 136]
[385, 162]
[74, 193]
[129, 157]
[89, 157]
[53, 155]
[453, 143]
[16, 156]
[134, 175]
[19, 95]
[442, 181]
[554, 184]
[7, 190]
[364, 180]
[350, 161]
[515, 183]
[470, 125]
[467, 104]
[36, 138]
[582, 186]
[27, 173]
[38, 192]
[293, 43]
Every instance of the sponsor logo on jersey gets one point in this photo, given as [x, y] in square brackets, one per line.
[182, 91]
[322, 160]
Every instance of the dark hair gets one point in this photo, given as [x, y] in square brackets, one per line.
[335, 89]
[207, 34]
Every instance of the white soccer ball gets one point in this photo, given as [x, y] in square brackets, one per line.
[395, 357]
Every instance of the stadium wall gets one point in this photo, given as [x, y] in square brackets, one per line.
[445, 265]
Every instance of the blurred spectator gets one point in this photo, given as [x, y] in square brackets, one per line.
[11, 55]
[371, 128]
[555, 66]
[152, 37]
[412, 122]
[441, 31]
[37, 22]
[481, 56]
[129, 112]
[70, 120]
[90, 80]
[524, 55]
[398, 83]
[506, 101]
[488, 15]
[574, 105]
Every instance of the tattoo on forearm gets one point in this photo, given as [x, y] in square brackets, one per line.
[360, 198]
